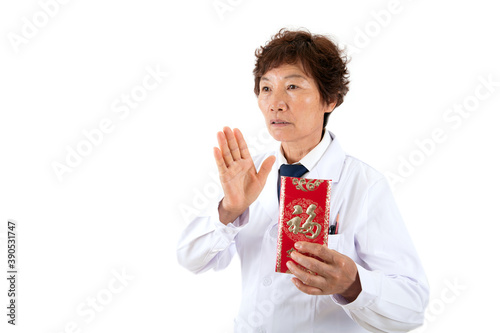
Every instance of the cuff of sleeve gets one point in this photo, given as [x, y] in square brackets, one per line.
[370, 290]
[230, 230]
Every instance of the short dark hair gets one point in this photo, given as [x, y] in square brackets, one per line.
[320, 57]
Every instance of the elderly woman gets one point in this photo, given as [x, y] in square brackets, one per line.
[369, 277]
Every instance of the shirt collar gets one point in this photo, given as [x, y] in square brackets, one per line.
[312, 158]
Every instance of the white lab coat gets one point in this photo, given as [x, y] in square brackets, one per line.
[371, 232]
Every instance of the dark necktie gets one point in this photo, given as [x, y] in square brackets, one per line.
[290, 170]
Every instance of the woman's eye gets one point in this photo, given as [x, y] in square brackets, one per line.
[265, 88]
[292, 86]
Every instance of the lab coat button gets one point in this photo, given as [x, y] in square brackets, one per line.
[267, 281]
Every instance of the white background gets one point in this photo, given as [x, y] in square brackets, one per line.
[121, 208]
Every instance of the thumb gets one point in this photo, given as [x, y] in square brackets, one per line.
[266, 168]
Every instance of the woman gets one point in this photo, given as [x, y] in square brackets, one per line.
[369, 277]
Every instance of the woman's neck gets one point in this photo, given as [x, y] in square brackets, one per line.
[295, 151]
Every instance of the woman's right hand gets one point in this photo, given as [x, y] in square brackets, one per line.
[240, 180]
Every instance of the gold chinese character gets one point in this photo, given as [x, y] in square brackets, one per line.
[295, 222]
[309, 227]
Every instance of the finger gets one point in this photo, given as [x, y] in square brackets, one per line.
[266, 168]
[307, 278]
[233, 145]
[245, 153]
[310, 263]
[219, 160]
[224, 148]
[320, 251]
[305, 288]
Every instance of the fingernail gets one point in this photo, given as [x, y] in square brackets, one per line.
[298, 246]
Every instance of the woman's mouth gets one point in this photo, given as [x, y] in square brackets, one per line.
[279, 122]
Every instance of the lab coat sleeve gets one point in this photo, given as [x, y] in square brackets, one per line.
[206, 243]
[394, 292]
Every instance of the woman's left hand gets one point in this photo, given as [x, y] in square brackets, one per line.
[337, 274]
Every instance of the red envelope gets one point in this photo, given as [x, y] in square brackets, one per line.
[304, 216]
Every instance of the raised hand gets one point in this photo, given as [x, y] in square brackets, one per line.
[240, 180]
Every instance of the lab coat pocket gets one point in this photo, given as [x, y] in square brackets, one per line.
[336, 242]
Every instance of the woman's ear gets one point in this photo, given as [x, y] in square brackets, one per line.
[332, 106]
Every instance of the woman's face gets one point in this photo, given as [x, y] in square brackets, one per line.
[291, 104]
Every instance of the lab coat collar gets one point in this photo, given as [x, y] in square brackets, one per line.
[331, 164]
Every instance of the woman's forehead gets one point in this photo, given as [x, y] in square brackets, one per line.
[286, 71]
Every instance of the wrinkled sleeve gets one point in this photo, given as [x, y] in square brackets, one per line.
[394, 292]
[206, 243]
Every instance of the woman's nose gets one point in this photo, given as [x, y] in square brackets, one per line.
[278, 102]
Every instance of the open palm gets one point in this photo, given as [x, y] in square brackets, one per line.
[240, 180]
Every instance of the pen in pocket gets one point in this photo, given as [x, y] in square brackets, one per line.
[334, 228]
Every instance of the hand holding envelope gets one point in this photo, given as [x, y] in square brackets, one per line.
[337, 274]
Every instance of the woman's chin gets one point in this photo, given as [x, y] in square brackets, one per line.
[280, 134]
